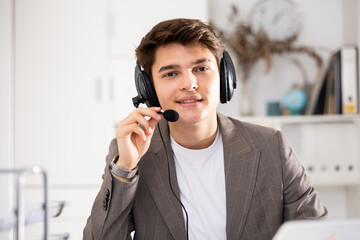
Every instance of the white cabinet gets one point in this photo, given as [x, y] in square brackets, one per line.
[327, 146]
[60, 55]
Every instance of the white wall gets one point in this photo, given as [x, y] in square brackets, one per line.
[6, 85]
[6, 103]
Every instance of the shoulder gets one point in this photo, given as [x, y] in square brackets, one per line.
[252, 133]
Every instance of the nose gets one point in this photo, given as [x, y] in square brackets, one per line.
[189, 82]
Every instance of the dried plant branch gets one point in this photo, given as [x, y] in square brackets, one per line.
[251, 46]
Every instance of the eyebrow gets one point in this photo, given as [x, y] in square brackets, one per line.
[174, 66]
[168, 67]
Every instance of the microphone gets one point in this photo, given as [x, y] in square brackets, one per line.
[170, 115]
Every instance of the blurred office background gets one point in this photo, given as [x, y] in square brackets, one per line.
[66, 79]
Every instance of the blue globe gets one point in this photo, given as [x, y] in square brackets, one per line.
[295, 101]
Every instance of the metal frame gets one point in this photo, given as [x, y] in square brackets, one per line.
[20, 207]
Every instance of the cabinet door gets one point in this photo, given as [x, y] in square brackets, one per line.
[60, 121]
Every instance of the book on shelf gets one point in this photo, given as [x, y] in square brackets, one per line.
[316, 104]
[337, 89]
[349, 79]
[337, 83]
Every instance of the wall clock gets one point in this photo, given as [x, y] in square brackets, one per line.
[279, 19]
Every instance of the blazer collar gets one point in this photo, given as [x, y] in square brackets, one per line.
[240, 163]
[154, 168]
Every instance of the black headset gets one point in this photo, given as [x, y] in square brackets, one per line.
[146, 91]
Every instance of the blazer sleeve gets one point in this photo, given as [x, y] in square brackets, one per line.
[111, 215]
[301, 201]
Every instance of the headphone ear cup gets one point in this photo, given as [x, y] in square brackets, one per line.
[145, 89]
[223, 81]
[227, 78]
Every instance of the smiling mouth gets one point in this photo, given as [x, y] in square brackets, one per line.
[189, 101]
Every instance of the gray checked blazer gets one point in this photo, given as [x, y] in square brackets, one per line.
[265, 186]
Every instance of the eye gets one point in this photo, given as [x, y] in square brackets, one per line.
[169, 74]
[201, 69]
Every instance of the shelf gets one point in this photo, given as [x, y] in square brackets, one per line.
[63, 236]
[33, 214]
[302, 119]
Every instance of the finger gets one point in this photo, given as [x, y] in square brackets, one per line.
[143, 112]
[155, 114]
[155, 118]
[151, 116]
[153, 122]
[152, 112]
[138, 116]
[144, 124]
[135, 128]
[127, 130]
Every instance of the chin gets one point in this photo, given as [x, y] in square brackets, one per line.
[189, 121]
[188, 118]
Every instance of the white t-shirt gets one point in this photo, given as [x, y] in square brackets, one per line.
[201, 178]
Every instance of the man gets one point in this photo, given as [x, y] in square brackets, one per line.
[227, 179]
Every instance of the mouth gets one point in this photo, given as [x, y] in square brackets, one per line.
[192, 99]
[189, 101]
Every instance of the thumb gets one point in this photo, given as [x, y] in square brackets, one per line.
[153, 122]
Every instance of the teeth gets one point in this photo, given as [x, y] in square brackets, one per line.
[188, 101]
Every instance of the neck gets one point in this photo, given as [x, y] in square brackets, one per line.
[194, 136]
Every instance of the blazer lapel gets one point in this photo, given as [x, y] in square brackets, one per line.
[155, 173]
[241, 164]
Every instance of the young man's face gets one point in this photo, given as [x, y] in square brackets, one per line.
[186, 79]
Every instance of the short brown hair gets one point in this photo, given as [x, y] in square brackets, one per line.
[183, 31]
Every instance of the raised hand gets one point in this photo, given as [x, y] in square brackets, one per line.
[134, 135]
